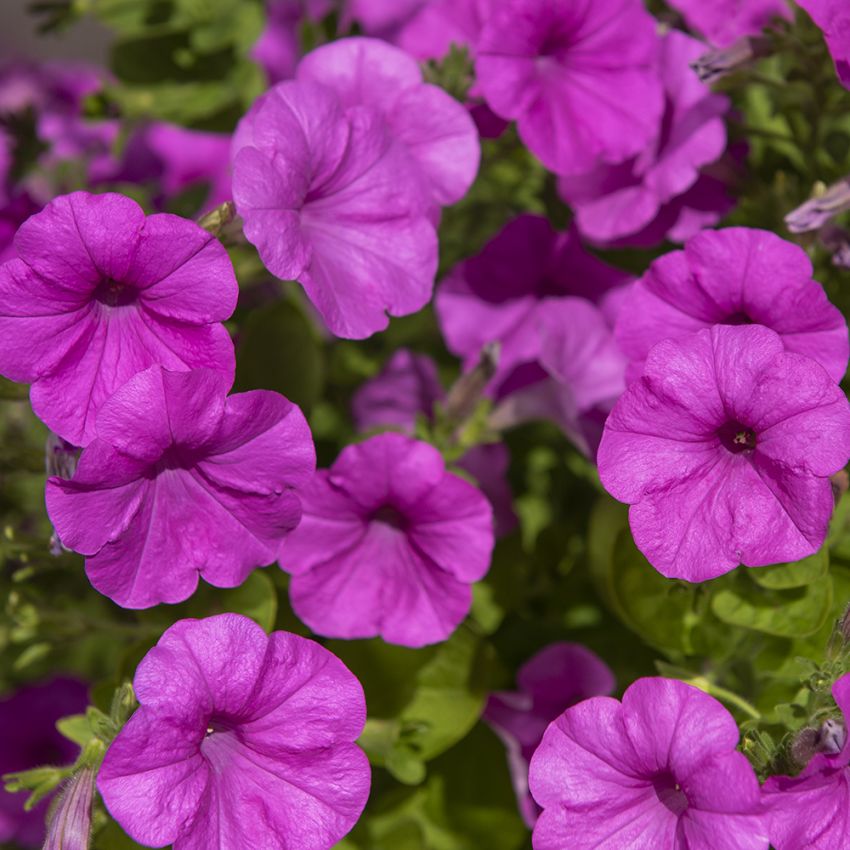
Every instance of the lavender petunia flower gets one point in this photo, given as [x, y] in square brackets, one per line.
[407, 387]
[723, 22]
[833, 17]
[723, 449]
[809, 811]
[658, 771]
[242, 740]
[433, 129]
[648, 198]
[558, 676]
[580, 79]
[388, 545]
[502, 293]
[328, 199]
[183, 481]
[99, 293]
[439, 24]
[28, 739]
[818, 211]
[734, 276]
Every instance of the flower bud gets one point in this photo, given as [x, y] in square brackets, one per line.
[717, 64]
[816, 212]
[69, 819]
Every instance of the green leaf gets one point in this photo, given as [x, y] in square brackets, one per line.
[280, 350]
[796, 574]
[795, 612]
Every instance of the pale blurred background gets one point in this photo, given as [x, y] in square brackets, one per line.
[86, 41]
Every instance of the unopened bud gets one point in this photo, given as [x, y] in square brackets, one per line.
[60, 458]
[836, 240]
[716, 64]
[69, 819]
[840, 483]
[827, 203]
[804, 746]
[467, 391]
[831, 737]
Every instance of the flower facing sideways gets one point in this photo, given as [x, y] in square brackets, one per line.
[183, 481]
[242, 740]
[723, 449]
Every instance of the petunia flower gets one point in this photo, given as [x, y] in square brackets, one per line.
[389, 544]
[99, 293]
[723, 22]
[734, 276]
[328, 199]
[662, 192]
[558, 676]
[181, 482]
[833, 17]
[657, 771]
[580, 79]
[29, 739]
[723, 449]
[430, 126]
[70, 817]
[408, 387]
[501, 294]
[818, 211]
[380, 18]
[809, 811]
[242, 741]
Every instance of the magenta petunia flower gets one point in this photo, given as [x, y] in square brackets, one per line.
[580, 79]
[723, 22]
[558, 676]
[502, 293]
[388, 545]
[242, 740]
[433, 129]
[98, 293]
[833, 17]
[734, 276]
[438, 24]
[328, 199]
[380, 18]
[409, 387]
[183, 481]
[655, 194]
[658, 771]
[809, 811]
[723, 449]
[28, 739]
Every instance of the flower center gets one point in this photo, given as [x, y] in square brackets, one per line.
[219, 743]
[388, 515]
[669, 793]
[113, 293]
[739, 318]
[737, 438]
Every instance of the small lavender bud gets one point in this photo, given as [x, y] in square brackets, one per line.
[804, 746]
[831, 737]
[69, 819]
[817, 211]
[717, 64]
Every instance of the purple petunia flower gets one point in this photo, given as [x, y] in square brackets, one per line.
[182, 481]
[388, 545]
[433, 129]
[381, 18]
[99, 293]
[833, 17]
[328, 199]
[809, 811]
[723, 22]
[723, 449]
[580, 79]
[658, 771]
[28, 739]
[660, 193]
[558, 358]
[242, 740]
[407, 387]
[439, 24]
[734, 276]
[558, 676]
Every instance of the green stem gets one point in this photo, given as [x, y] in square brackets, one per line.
[725, 695]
